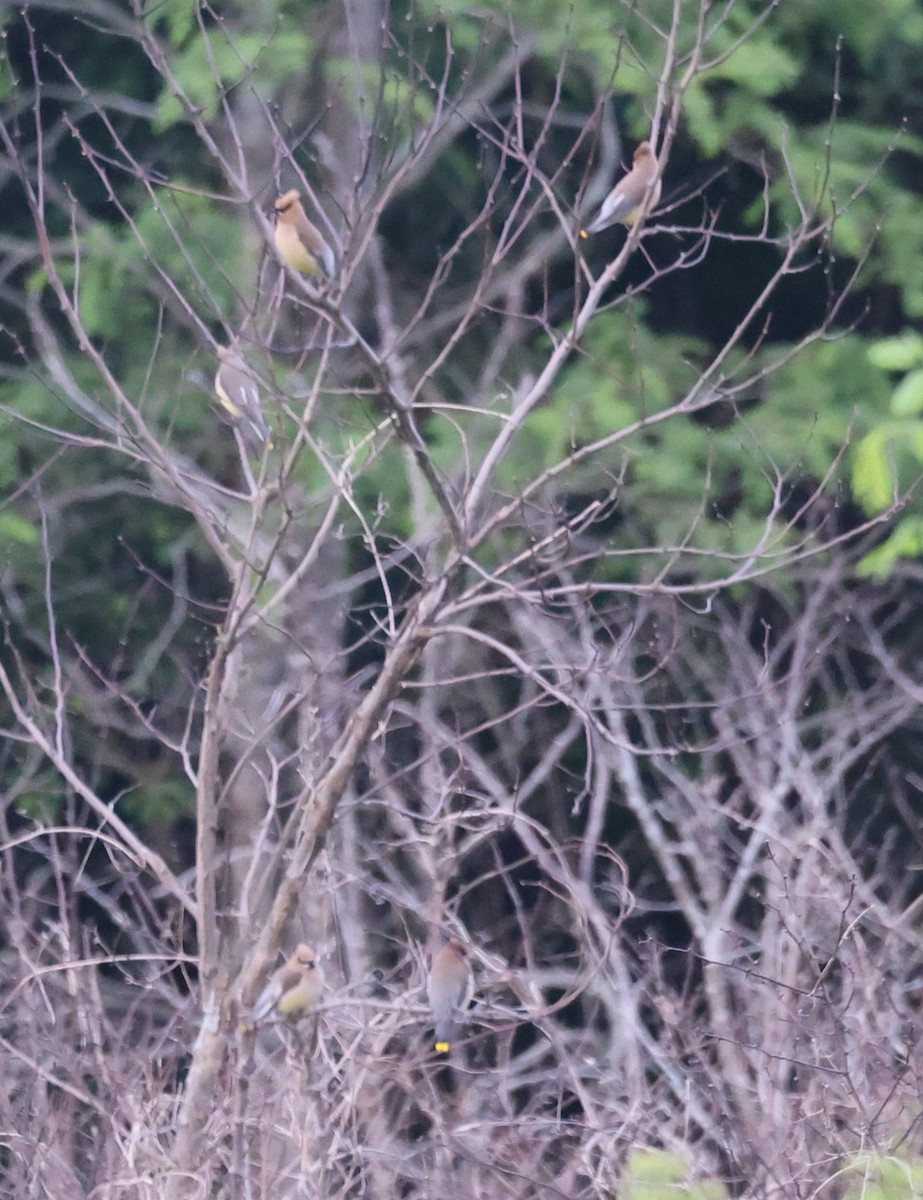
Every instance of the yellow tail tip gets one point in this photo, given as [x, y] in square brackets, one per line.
[442, 1047]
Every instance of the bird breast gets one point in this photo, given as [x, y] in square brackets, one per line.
[293, 250]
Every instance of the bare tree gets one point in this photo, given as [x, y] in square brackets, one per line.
[636, 796]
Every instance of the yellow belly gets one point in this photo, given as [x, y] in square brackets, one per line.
[293, 250]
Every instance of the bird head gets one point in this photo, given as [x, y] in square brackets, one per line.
[287, 203]
[305, 958]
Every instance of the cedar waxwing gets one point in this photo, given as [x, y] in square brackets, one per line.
[299, 242]
[293, 989]
[450, 987]
[238, 393]
[636, 192]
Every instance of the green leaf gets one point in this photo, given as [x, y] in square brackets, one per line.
[905, 542]
[873, 476]
[17, 531]
[907, 400]
[900, 353]
[760, 66]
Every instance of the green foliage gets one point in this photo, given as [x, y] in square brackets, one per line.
[15, 531]
[710, 481]
[870, 32]
[109, 267]
[9, 430]
[899, 353]
[890, 455]
[900, 254]
[154, 805]
[404, 105]
[882, 1177]
[177, 19]
[905, 542]
[765, 97]
[105, 539]
[659, 1174]
[908, 395]
[44, 807]
[880, 454]
[732, 95]
[770, 87]
[185, 236]
[875, 468]
[820, 401]
[214, 61]
[383, 492]
[625, 374]
[592, 29]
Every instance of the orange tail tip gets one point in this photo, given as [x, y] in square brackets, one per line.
[584, 234]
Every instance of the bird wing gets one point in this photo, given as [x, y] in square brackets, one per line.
[624, 201]
[328, 261]
[239, 395]
[267, 1000]
[253, 410]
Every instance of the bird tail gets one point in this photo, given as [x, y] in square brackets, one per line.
[446, 1032]
[257, 424]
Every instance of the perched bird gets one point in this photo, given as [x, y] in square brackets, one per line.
[450, 987]
[238, 393]
[635, 193]
[293, 989]
[299, 242]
